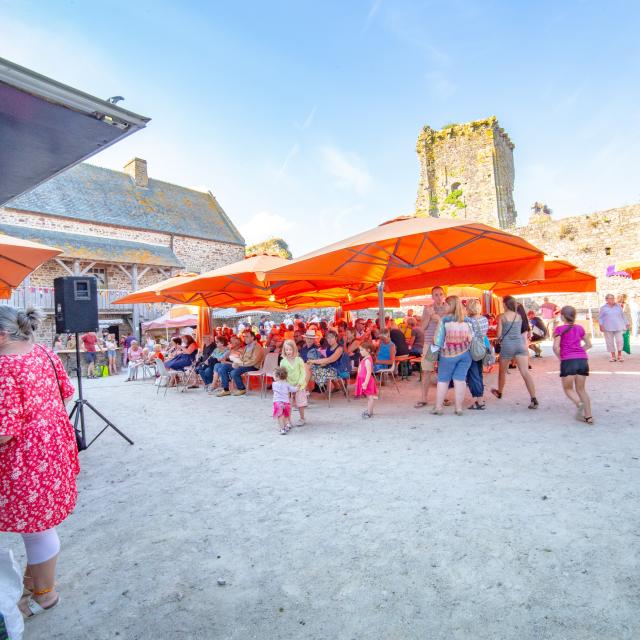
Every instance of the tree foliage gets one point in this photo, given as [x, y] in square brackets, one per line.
[273, 246]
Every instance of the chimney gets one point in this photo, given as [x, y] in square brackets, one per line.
[137, 169]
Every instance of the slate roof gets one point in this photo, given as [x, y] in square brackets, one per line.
[96, 248]
[95, 194]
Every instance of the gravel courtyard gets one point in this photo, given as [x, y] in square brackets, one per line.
[502, 524]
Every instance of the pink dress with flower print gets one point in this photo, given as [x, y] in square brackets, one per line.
[39, 465]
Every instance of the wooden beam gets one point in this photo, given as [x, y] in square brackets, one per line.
[143, 272]
[64, 265]
[86, 269]
[126, 273]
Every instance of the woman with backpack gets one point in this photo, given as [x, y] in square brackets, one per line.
[480, 326]
[511, 346]
[570, 344]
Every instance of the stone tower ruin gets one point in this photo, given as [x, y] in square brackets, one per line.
[466, 171]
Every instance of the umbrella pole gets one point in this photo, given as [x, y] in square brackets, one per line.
[381, 304]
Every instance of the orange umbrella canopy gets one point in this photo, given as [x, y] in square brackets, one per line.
[246, 283]
[410, 253]
[560, 277]
[18, 258]
[240, 281]
[154, 292]
[632, 267]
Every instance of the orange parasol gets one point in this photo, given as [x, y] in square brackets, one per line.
[560, 277]
[154, 293]
[18, 258]
[245, 284]
[409, 253]
[204, 322]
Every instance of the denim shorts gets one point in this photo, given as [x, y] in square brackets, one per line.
[454, 367]
[90, 357]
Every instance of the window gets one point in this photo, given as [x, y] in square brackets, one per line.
[455, 186]
[607, 251]
[101, 276]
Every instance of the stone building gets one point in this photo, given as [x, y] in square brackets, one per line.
[466, 170]
[124, 228]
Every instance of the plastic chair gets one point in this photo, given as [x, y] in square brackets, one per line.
[269, 363]
[167, 375]
[390, 371]
[328, 387]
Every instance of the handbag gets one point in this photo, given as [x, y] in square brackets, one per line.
[497, 348]
[489, 358]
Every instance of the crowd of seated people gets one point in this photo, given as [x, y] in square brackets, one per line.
[328, 352]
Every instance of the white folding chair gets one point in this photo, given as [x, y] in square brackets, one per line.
[390, 371]
[328, 387]
[167, 375]
[188, 377]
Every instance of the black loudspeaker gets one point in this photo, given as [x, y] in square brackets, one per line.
[76, 304]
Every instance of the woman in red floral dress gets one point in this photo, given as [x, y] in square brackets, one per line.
[38, 453]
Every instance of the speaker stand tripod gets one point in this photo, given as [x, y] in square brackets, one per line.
[77, 413]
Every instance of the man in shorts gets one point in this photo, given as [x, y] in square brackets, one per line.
[550, 314]
[430, 317]
[90, 343]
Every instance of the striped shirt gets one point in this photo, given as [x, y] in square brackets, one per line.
[432, 325]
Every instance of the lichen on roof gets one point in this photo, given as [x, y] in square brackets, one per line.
[103, 196]
[97, 248]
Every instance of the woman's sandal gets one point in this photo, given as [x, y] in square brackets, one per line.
[588, 420]
[420, 404]
[533, 404]
[476, 406]
[33, 607]
[496, 393]
[436, 412]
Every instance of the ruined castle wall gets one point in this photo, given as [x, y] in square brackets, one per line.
[591, 242]
[504, 178]
[478, 156]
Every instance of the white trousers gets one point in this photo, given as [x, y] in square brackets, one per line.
[613, 340]
[41, 546]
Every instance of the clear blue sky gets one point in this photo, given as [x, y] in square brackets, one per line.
[302, 117]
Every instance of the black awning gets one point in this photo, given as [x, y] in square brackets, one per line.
[47, 127]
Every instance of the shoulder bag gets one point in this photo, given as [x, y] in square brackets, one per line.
[478, 349]
[497, 347]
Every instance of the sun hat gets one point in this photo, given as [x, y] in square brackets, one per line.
[311, 334]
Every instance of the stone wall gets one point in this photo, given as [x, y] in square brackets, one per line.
[474, 161]
[592, 242]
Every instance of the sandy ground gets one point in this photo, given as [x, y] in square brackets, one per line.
[501, 524]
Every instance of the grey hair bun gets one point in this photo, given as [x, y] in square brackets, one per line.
[20, 325]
